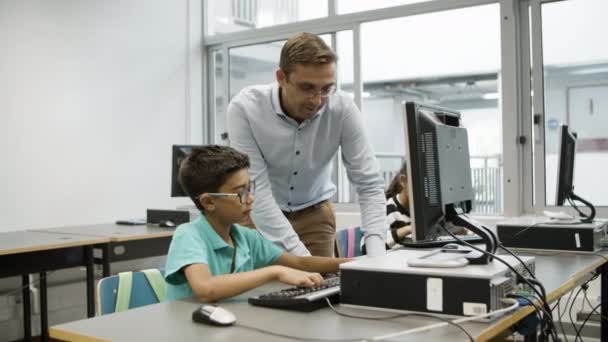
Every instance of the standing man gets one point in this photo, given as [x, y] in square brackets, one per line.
[291, 131]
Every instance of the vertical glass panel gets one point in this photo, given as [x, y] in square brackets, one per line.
[442, 59]
[218, 96]
[225, 16]
[253, 64]
[575, 61]
[344, 49]
[350, 6]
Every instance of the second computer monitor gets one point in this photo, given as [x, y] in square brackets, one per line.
[179, 153]
[438, 165]
[565, 169]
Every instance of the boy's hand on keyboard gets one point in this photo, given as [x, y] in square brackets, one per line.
[295, 277]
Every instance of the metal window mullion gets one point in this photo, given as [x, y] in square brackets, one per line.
[511, 109]
[206, 61]
[527, 167]
[357, 81]
[538, 103]
[335, 177]
[332, 8]
[211, 103]
[226, 75]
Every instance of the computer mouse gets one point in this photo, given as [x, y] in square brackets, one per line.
[213, 315]
[451, 246]
[166, 224]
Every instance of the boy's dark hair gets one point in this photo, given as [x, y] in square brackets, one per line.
[394, 188]
[207, 168]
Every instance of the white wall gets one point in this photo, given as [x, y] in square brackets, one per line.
[93, 94]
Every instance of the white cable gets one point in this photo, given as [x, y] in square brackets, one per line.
[515, 305]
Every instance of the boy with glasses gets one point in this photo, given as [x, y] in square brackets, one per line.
[291, 130]
[212, 257]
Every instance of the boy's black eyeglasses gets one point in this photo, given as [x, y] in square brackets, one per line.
[243, 194]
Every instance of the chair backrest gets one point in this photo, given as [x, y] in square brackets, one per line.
[129, 290]
[348, 242]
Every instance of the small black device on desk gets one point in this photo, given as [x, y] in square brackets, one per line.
[300, 298]
[132, 222]
[167, 218]
[440, 241]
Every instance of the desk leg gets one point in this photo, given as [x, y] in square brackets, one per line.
[88, 252]
[106, 259]
[604, 304]
[531, 337]
[27, 318]
[44, 313]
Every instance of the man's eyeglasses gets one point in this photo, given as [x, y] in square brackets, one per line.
[243, 195]
[310, 90]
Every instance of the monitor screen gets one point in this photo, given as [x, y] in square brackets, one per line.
[438, 166]
[180, 152]
[565, 169]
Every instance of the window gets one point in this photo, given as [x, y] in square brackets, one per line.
[239, 15]
[575, 68]
[437, 59]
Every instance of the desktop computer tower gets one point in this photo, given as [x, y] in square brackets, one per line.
[539, 232]
[388, 283]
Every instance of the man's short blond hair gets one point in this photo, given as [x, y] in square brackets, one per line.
[305, 48]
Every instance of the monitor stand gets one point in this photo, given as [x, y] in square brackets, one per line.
[457, 217]
[584, 217]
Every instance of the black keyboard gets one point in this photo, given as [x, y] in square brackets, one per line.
[301, 298]
[440, 241]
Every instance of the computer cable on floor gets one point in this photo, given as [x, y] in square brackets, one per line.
[559, 321]
[20, 288]
[581, 288]
[580, 329]
[591, 305]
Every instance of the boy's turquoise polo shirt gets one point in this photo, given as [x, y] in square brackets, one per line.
[197, 243]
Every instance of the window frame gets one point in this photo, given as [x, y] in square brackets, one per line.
[512, 82]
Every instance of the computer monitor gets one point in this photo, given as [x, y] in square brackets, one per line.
[565, 173]
[179, 153]
[565, 170]
[439, 174]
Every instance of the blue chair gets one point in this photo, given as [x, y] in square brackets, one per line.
[129, 290]
[348, 242]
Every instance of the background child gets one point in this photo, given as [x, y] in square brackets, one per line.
[398, 208]
[214, 258]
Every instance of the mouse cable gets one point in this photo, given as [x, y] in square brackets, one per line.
[299, 338]
[514, 305]
[409, 314]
